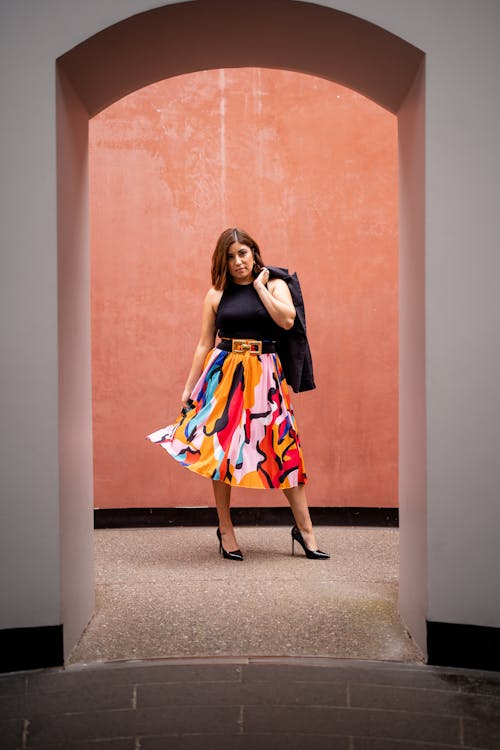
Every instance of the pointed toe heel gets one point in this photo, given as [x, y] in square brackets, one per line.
[235, 554]
[311, 554]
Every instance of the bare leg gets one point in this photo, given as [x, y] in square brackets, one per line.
[296, 496]
[222, 494]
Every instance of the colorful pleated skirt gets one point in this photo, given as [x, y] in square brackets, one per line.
[240, 427]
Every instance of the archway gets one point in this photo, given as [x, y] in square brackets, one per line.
[208, 34]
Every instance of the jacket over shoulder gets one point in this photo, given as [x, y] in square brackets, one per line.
[293, 346]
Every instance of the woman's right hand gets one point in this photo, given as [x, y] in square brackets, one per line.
[205, 344]
[186, 398]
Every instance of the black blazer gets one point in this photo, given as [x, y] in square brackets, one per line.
[293, 346]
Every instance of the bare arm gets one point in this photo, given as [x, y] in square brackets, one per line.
[276, 298]
[205, 343]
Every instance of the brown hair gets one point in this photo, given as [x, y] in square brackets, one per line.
[220, 276]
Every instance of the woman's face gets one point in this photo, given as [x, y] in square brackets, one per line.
[240, 263]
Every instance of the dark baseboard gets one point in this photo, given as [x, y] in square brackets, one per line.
[469, 646]
[31, 648]
[116, 518]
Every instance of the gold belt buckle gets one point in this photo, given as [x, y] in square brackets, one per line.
[241, 346]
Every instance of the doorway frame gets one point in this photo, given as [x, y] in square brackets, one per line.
[199, 35]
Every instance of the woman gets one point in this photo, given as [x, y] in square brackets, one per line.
[237, 426]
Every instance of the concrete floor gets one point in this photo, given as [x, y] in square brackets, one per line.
[165, 592]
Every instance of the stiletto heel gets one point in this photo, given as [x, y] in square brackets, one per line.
[310, 553]
[234, 555]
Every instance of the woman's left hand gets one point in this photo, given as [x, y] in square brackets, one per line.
[276, 298]
[262, 278]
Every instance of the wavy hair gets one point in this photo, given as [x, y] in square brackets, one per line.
[220, 275]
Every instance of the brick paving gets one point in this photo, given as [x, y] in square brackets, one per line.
[263, 703]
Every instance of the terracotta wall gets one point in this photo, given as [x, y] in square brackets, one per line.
[310, 169]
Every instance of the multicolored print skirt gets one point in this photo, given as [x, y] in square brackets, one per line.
[240, 428]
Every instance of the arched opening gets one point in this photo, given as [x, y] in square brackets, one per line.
[204, 35]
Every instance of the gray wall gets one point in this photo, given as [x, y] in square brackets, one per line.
[451, 554]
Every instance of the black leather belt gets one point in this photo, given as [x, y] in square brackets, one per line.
[252, 346]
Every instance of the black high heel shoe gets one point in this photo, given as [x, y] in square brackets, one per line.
[234, 555]
[312, 554]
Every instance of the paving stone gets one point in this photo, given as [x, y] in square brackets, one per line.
[12, 706]
[352, 722]
[79, 699]
[247, 742]
[480, 684]
[129, 743]
[216, 694]
[483, 733]
[276, 672]
[374, 744]
[451, 703]
[100, 725]
[363, 672]
[112, 675]
[11, 734]
[12, 683]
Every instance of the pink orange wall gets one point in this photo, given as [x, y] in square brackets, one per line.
[310, 169]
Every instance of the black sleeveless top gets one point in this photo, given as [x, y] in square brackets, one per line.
[241, 315]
